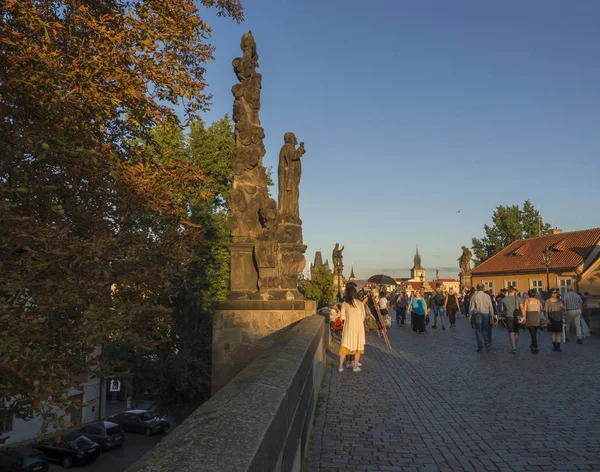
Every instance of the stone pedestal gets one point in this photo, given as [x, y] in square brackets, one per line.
[466, 280]
[244, 329]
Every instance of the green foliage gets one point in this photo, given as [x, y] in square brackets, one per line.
[319, 288]
[510, 223]
[178, 372]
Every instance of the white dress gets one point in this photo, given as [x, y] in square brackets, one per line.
[353, 336]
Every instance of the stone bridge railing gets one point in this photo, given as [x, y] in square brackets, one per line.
[261, 420]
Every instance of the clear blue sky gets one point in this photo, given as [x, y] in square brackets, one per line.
[412, 110]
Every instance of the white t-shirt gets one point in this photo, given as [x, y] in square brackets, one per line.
[383, 303]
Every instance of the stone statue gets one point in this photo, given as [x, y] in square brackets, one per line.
[290, 171]
[464, 261]
[336, 256]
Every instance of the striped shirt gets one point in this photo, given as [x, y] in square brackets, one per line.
[573, 301]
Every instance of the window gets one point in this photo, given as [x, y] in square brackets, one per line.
[537, 285]
[6, 421]
[489, 285]
[564, 284]
[511, 283]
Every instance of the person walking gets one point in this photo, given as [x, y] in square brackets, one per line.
[482, 316]
[452, 307]
[401, 305]
[418, 309]
[532, 310]
[353, 336]
[413, 320]
[555, 312]
[510, 307]
[384, 307]
[573, 304]
[438, 302]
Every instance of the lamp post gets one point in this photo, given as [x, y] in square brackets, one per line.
[547, 252]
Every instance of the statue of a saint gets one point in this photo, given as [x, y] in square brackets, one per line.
[336, 256]
[464, 261]
[290, 171]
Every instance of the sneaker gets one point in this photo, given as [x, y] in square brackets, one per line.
[356, 369]
[531, 348]
[488, 347]
[443, 328]
[341, 369]
[513, 351]
[359, 364]
[580, 341]
[434, 327]
[535, 351]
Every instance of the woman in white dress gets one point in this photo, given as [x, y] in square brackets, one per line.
[353, 336]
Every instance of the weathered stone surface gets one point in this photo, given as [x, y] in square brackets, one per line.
[260, 421]
[244, 329]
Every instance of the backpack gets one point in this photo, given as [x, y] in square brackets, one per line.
[439, 299]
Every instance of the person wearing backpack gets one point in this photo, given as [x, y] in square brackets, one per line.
[438, 301]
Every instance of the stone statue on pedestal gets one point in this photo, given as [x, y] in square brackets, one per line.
[464, 261]
[290, 171]
[266, 240]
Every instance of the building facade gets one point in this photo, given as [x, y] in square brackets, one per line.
[558, 260]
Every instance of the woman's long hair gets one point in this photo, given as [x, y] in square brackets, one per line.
[351, 295]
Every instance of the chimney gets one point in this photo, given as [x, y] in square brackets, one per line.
[555, 231]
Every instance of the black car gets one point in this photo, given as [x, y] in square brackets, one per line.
[22, 459]
[106, 434]
[69, 450]
[141, 421]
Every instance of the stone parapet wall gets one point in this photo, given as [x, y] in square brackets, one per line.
[261, 420]
[591, 315]
[244, 329]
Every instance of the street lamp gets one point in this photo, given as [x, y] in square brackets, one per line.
[547, 252]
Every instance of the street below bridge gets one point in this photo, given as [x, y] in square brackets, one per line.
[434, 403]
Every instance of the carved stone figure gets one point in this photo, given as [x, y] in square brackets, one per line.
[336, 256]
[289, 173]
[464, 261]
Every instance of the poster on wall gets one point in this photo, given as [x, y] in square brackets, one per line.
[115, 385]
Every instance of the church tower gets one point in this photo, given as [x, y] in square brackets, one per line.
[352, 276]
[417, 270]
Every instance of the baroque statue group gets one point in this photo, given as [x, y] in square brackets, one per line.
[267, 251]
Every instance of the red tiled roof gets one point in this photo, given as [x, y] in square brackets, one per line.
[569, 251]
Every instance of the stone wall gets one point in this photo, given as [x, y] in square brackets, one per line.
[244, 329]
[592, 318]
[261, 420]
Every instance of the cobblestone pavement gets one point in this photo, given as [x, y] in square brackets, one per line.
[434, 403]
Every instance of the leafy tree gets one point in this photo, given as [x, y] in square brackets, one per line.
[319, 288]
[510, 223]
[95, 231]
[177, 372]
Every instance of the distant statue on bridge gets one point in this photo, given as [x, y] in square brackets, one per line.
[337, 256]
[464, 261]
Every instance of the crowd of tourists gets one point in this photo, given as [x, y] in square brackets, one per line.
[512, 310]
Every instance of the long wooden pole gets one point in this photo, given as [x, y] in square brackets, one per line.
[383, 330]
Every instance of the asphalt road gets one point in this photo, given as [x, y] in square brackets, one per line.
[117, 460]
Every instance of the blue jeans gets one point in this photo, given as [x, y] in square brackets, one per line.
[483, 331]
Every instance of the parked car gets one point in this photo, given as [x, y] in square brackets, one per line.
[104, 433]
[69, 450]
[141, 421]
[22, 459]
